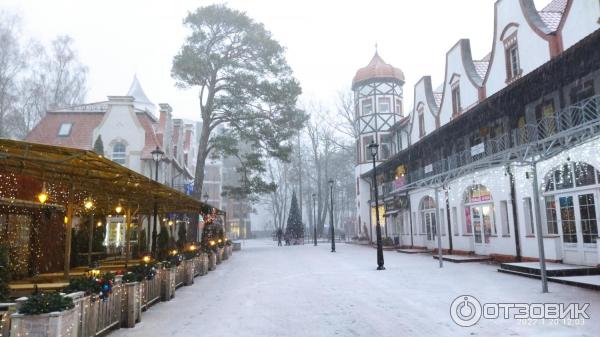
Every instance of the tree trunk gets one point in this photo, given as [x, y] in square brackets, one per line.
[201, 159]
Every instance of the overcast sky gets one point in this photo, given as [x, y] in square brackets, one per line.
[326, 41]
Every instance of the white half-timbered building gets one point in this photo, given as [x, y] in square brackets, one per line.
[508, 139]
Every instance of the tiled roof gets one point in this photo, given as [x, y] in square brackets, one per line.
[151, 140]
[438, 98]
[481, 68]
[377, 68]
[80, 136]
[552, 13]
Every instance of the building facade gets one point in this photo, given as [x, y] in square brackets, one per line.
[508, 143]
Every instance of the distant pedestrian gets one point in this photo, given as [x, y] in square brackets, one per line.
[279, 235]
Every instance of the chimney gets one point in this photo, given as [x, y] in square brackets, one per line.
[165, 115]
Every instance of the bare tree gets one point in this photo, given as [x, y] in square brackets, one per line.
[52, 80]
[12, 62]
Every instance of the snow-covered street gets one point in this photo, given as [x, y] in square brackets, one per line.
[266, 290]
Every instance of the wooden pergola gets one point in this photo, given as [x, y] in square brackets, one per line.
[84, 175]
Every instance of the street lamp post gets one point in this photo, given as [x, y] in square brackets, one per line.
[157, 155]
[314, 196]
[373, 148]
[331, 216]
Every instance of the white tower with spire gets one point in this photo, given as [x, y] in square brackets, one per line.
[377, 105]
[141, 101]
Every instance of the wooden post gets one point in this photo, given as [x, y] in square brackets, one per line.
[91, 239]
[127, 236]
[68, 227]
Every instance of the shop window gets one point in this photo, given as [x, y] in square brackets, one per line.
[551, 220]
[468, 228]
[589, 225]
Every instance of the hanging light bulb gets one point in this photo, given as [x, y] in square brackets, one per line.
[119, 208]
[88, 204]
[43, 196]
[99, 224]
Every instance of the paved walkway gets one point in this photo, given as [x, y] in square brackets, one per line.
[307, 291]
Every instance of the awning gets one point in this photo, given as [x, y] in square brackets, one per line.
[89, 174]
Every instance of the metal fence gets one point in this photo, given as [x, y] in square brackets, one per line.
[559, 130]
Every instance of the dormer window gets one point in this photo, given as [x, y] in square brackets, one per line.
[119, 154]
[65, 129]
[513, 60]
[456, 106]
[511, 55]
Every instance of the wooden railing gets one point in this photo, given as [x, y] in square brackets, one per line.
[96, 316]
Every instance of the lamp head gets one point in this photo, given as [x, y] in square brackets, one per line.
[157, 154]
[119, 208]
[373, 148]
[205, 197]
[43, 196]
[330, 182]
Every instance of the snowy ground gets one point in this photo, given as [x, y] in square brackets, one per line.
[267, 290]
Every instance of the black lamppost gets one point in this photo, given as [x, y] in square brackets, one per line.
[373, 147]
[331, 216]
[157, 155]
[314, 196]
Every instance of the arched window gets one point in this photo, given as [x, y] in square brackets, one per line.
[427, 203]
[477, 193]
[119, 154]
[570, 175]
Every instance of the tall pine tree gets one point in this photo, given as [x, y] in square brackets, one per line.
[294, 228]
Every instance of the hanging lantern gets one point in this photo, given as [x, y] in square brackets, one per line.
[147, 259]
[88, 203]
[99, 224]
[119, 208]
[43, 196]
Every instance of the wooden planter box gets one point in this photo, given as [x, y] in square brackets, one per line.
[212, 261]
[225, 253]
[98, 316]
[131, 312]
[219, 255]
[205, 263]
[151, 290]
[189, 271]
[230, 248]
[54, 324]
[167, 285]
